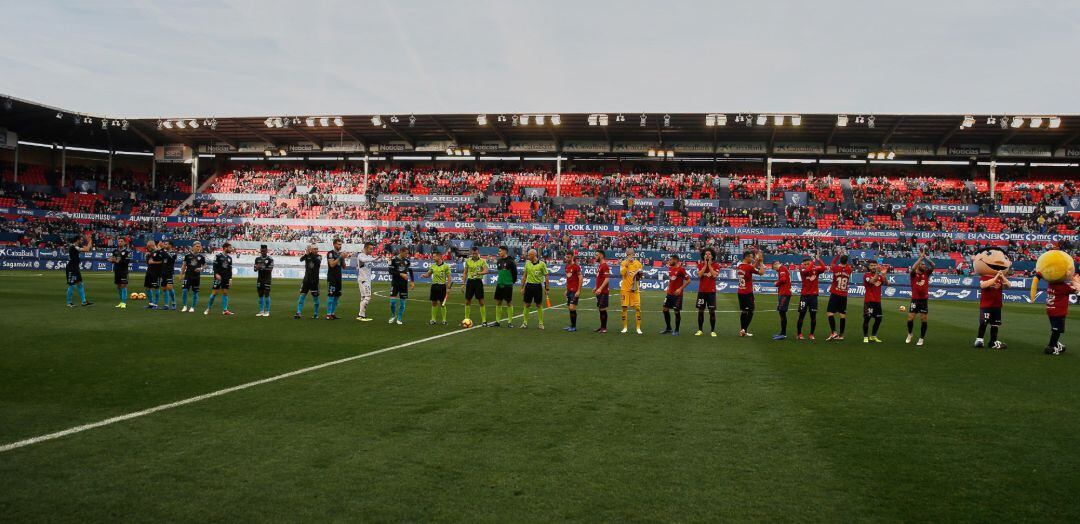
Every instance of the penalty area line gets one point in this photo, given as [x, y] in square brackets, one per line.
[221, 392]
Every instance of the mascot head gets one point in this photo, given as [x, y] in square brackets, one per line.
[989, 262]
[1055, 267]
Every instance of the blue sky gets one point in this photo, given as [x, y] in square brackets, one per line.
[238, 58]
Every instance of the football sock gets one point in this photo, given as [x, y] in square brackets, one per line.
[624, 313]
[911, 328]
[393, 308]
[993, 334]
[225, 303]
[540, 313]
[865, 325]
[813, 323]
[799, 323]
[183, 295]
[877, 324]
[468, 311]
[678, 319]
[603, 319]
[843, 324]
[267, 303]
[573, 318]
[922, 330]
[700, 319]
[82, 293]
[315, 302]
[982, 329]
[483, 315]
[443, 309]
[832, 324]
[401, 310]
[210, 304]
[1054, 336]
[637, 318]
[70, 292]
[433, 310]
[783, 323]
[667, 319]
[194, 299]
[300, 304]
[712, 320]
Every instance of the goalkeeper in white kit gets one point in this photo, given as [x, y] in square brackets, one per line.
[363, 278]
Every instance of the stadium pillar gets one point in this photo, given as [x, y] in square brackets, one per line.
[558, 175]
[365, 173]
[16, 166]
[153, 174]
[109, 183]
[194, 173]
[63, 165]
[768, 178]
[993, 177]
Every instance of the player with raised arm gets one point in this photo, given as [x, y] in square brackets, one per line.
[335, 262]
[223, 267]
[678, 279]
[264, 274]
[442, 280]
[191, 268]
[168, 273]
[708, 270]
[783, 297]
[809, 271]
[920, 296]
[364, 260]
[533, 286]
[838, 295]
[473, 280]
[991, 297]
[152, 279]
[310, 285]
[504, 286]
[401, 281]
[73, 270]
[630, 268]
[602, 289]
[121, 261]
[753, 263]
[574, 280]
[1057, 309]
[874, 280]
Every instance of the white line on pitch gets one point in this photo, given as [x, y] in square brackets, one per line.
[220, 392]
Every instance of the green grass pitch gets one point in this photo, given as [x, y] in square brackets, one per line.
[500, 425]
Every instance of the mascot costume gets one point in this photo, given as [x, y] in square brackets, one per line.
[992, 266]
[1058, 269]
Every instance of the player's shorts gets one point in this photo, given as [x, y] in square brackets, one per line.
[746, 302]
[74, 276]
[919, 305]
[706, 300]
[191, 282]
[333, 287]
[151, 280]
[837, 304]
[572, 298]
[262, 287]
[534, 294]
[1057, 324]
[399, 289]
[365, 288]
[631, 299]
[990, 315]
[872, 309]
[504, 293]
[438, 293]
[474, 288]
[673, 302]
[602, 301]
[167, 279]
[782, 303]
[310, 286]
[225, 282]
[120, 279]
[808, 303]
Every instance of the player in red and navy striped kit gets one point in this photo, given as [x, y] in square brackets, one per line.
[1057, 308]
[841, 276]
[873, 281]
[809, 272]
[990, 300]
[920, 296]
[783, 297]
[752, 264]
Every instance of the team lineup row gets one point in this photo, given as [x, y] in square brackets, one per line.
[535, 287]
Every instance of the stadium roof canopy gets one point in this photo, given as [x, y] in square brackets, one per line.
[736, 134]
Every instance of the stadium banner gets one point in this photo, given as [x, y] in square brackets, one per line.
[585, 146]
[234, 197]
[394, 146]
[851, 149]
[348, 197]
[912, 149]
[965, 209]
[965, 150]
[1023, 150]
[633, 147]
[534, 146]
[173, 154]
[426, 199]
[534, 192]
[696, 203]
[795, 198]
[798, 148]
[433, 146]
[252, 147]
[1068, 152]
[343, 146]
[84, 186]
[741, 148]
[213, 149]
[8, 139]
[304, 147]
[691, 147]
[1028, 210]
[1072, 204]
[485, 145]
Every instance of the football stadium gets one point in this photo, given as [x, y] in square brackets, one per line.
[519, 315]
